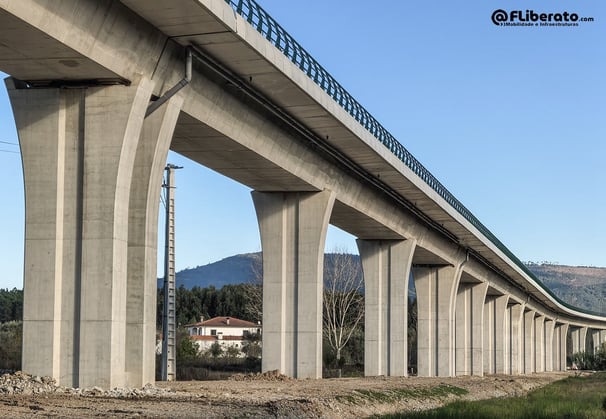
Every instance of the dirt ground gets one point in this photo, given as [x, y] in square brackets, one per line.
[276, 396]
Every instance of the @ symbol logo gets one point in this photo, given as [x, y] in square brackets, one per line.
[499, 16]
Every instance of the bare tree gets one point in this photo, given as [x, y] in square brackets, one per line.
[343, 299]
[254, 288]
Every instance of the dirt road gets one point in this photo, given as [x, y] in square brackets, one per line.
[268, 396]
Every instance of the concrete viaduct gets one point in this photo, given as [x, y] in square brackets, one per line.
[101, 89]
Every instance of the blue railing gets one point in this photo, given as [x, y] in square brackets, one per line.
[274, 33]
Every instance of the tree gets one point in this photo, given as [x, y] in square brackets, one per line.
[254, 289]
[215, 350]
[10, 345]
[343, 299]
[232, 353]
[251, 346]
[187, 350]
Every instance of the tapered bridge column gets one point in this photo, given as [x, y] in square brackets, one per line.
[495, 329]
[515, 315]
[539, 345]
[78, 149]
[469, 325]
[550, 345]
[529, 341]
[293, 232]
[436, 294]
[142, 284]
[559, 346]
[596, 336]
[386, 265]
[579, 337]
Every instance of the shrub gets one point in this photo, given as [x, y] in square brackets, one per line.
[11, 334]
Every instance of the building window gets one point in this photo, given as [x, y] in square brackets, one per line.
[213, 332]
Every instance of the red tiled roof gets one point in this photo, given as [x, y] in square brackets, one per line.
[225, 322]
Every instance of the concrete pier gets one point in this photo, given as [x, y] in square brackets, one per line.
[293, 231]
[78, 149]
[386, 265]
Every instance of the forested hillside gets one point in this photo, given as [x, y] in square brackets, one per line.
[580, 286]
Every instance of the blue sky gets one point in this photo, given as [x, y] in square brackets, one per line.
[512, 120]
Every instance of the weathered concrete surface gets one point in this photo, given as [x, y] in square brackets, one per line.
[78, 149]
[386, 266]
[293, 231]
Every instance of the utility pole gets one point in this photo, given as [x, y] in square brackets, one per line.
[169, 318]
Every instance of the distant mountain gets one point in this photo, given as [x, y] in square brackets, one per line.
[580, 286]
[236, 269]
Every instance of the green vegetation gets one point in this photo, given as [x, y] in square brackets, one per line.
[573, 397]
[217, 362]
[10, 345]
[11, 305]
[590, 361]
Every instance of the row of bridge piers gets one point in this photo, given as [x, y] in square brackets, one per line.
[93, 166]
[464, 326]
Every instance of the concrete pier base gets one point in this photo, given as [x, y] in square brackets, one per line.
[78, 149]
[559, 346]
[293, 232]
[549, 345]
[515, 313]
[495, 328]
[579, 338]
[469, 320]
[529, 341]
[386, 265]
[436, 293]
[142, 275]
[539, 358]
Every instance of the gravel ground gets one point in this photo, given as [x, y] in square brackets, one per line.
[266, 395]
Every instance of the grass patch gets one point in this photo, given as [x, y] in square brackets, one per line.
[573, 397]
[394, 395]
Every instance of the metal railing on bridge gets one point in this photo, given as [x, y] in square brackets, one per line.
[257, 17]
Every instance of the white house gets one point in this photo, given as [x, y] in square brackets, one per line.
[228, 331]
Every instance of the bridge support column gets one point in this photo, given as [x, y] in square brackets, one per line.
[386, 265]
[142, 285]
[469, 328]
[559, 346]
[595, 336]
[436, 293]
[515, 345]
[293, 231]
[539, 348]
[78, 149]
[495, 327]
[529, 341]
[579, 338]
[549, 345]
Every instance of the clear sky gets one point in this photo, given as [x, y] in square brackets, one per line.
[512, 120]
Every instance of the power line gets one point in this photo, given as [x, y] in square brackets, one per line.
[7, 142]
[9, 151]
